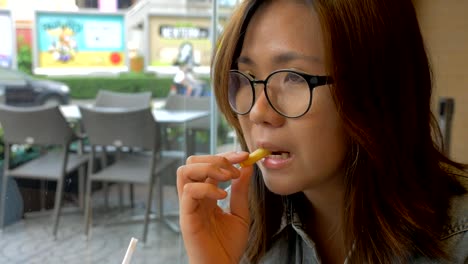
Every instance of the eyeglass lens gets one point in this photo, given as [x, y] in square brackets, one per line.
[287, 92]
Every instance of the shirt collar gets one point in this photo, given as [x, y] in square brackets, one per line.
[289, 217]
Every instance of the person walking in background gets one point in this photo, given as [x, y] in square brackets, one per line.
[339, 92]
[185, 82]
[198, 87]
[181, 82]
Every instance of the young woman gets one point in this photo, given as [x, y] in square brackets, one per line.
[339, 92]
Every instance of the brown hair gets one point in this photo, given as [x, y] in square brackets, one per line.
[397, 190]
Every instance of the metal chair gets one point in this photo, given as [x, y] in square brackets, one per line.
[46, 127]
[180, 102]
[107, 98]
[134, 128]
[112, 99]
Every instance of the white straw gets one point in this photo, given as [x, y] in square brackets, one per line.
[130, 249]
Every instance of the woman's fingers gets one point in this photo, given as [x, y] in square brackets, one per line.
[195, 192]
[216, 168]
[198, 178]
[239, 203]
[199, 172]
[223, 161]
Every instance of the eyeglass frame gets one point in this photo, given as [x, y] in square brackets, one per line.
[313, 82]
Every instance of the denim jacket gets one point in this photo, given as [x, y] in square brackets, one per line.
[293, 245]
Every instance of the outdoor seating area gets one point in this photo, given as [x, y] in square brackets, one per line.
[113, 149]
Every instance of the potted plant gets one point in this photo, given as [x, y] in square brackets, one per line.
[137, 61]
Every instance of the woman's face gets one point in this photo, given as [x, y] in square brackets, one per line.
[309, 151]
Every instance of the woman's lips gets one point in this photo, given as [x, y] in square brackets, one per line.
[279, 157]
[279, 154]
[277, 160]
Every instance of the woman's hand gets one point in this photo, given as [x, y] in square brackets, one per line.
[210, 234]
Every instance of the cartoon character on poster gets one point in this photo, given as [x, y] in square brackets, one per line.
[63, 47]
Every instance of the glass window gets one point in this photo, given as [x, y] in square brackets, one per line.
[161, 48]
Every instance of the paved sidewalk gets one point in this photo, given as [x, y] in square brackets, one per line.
[31, 241]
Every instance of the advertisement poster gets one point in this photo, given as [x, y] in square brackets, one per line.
[7, 43]
[174, 42]
[72, 40]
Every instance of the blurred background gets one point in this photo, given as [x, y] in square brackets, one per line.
[66, 51]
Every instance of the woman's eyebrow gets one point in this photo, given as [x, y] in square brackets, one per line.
[245, 60]
[292, 56]
[283, 58]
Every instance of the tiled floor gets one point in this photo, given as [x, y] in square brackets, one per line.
[30, 240]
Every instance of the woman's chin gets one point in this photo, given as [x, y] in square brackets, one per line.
[281, 188]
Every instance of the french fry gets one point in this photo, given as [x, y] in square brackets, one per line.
[255, 156]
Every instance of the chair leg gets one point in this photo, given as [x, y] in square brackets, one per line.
[103, 158]
[81, 183]
[132, 196]
[43, 194]
[161, 197]
[57, 205]
[149, 199]
[105, 187]
[88, 207]
[120, 187]
[3, 199]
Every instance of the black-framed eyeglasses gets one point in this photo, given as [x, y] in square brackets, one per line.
[288, 92]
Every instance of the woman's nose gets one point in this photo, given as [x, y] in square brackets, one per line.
[263, 113]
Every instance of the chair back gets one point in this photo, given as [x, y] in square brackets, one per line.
[120, 127]
[42, 125]
[181, 102]
[106, 98]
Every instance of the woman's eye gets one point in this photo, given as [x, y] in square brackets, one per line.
[293, 77]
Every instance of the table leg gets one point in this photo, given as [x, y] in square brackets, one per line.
[190, 138]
